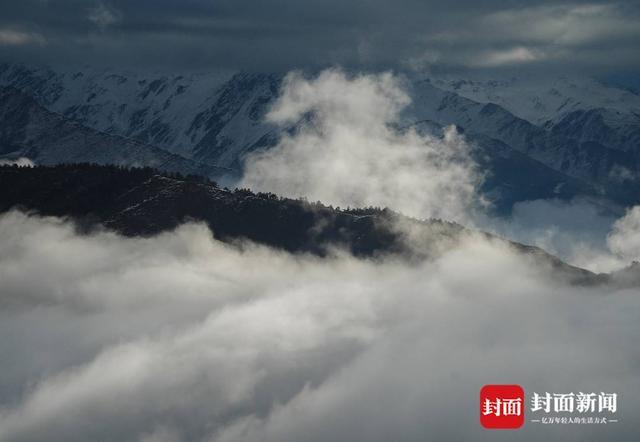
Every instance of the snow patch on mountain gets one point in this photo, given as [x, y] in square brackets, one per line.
[579, 127]
[152, 107]
[539, 100]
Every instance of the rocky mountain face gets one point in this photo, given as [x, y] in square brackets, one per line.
[213, 117]
[29, 130]
[582, 127]
[561, 139]
[543, 99]
[560, 146]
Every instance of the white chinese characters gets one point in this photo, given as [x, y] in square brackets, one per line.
[502, 407]
[570, 402]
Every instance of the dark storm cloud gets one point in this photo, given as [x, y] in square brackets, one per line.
[283, 34]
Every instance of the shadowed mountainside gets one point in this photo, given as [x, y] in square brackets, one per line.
[144, 202]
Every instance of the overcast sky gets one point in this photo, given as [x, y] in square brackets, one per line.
[285, 34]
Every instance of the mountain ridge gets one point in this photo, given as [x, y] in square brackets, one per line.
[144, 202]
[45, 137]
[218, 118]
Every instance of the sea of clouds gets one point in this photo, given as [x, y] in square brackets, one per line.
[180, 337]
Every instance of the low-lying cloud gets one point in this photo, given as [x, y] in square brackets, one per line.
[582, 232]
[183, 338]
[576, 231]
[347, 150]
[624, 238]
[22, 162]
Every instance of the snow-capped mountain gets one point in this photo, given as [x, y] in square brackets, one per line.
[29, 130]
[586, 111]
[539, 100]
[573, 134]
[210, 116]
[584, 151]
[609, 127]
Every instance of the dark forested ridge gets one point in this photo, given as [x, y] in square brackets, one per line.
[143, 202]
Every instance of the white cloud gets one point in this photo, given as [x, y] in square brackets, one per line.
[13, 37]
[583, 232]
[180, 337]
[576, 231]
[580, 34]
[104, 16]
[347, 152]
[568, 25]
[624, 239]
[22, 162]
[510, 56]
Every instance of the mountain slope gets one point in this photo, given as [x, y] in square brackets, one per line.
[210, 116]
[29, 130]
[570, 134]
[542, 99]
[584, 160]
[610, 128]
[143, 202]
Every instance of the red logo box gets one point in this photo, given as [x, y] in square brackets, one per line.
[502, 406]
